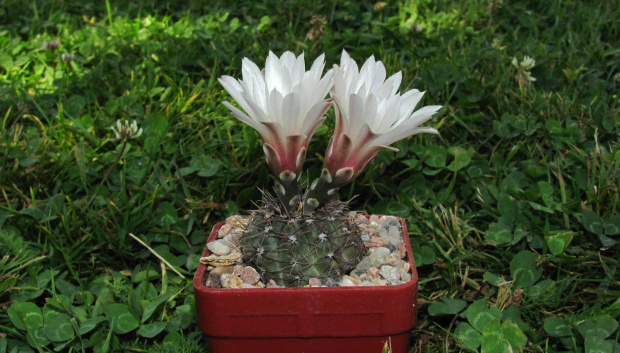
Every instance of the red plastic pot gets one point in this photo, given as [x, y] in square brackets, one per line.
[308, 320]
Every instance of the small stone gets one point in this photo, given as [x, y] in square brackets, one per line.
[272, 284]
[346, 283]
[376, 242]
[365, 237]
[238, 221]
[231, 281]
[374, 219]
[405, 277]
[237, 270]
[391, 247]
[383, 233]
[246, 285]
[382, 223]
[226, 228]
[233, 242]
[314, 282]
[355, 281]
[386, 241]
[218, 271]
[393, 259]
[393, 221]
[378, 256]
[395, 236]
[361, 219]
[391, 274]
[330, 282]
[373, 272]
[403, 250]
[231, 237]
[226, 260]
[380, 282]
[404, 267]
[214, 279]
[363, 265]
[219, 247]
[365, 277]
[250, 276]
[213, 282]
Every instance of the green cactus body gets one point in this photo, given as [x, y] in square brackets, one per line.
[291, 250]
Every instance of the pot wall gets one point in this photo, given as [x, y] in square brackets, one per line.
[317, 319]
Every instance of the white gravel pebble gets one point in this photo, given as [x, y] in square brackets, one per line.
[391, 274]
[346, 283]
[378, 256]
[394, 235]
[219, 247]
[405, 277]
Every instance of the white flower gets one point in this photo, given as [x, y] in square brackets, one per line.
[370, 115]
[528, 63]
[284, 103]
[515, 62]
[528, 76]
[524, 76]
[124, 131]
[51, 45]
[67, 57]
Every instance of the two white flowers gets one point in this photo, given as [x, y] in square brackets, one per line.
[286, 104]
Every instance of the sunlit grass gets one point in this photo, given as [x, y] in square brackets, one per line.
[514, 206]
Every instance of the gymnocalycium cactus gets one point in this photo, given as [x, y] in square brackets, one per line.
[309, 234]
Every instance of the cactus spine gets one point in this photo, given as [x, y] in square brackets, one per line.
[292, 249]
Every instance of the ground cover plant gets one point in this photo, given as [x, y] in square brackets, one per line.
[512, 210]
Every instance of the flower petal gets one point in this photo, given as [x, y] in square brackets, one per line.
[370, 113]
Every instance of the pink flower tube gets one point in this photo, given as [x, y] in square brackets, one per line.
[285, 104]
[370, 116]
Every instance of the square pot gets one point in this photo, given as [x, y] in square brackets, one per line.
[309, 319]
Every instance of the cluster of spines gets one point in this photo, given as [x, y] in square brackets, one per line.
[291, 249]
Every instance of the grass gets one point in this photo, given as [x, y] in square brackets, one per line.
[513, 210]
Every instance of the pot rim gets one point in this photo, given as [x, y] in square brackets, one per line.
[202, 269]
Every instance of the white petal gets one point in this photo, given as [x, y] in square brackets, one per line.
[243, 117]
[409, 101]
[236, 92]
[423, 114]
[288, 59]
[401, 133]
[250, 71]
[290, 114]
[370, 111]
[298, 70]
[314, 117]
[276, 76]
[396, 80]
[275, 106]
[380, 75]
[356, 114]
[344, 58]
[232, 83]
[318, 64]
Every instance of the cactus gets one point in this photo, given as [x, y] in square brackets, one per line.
[291, 249]
[311, 235]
